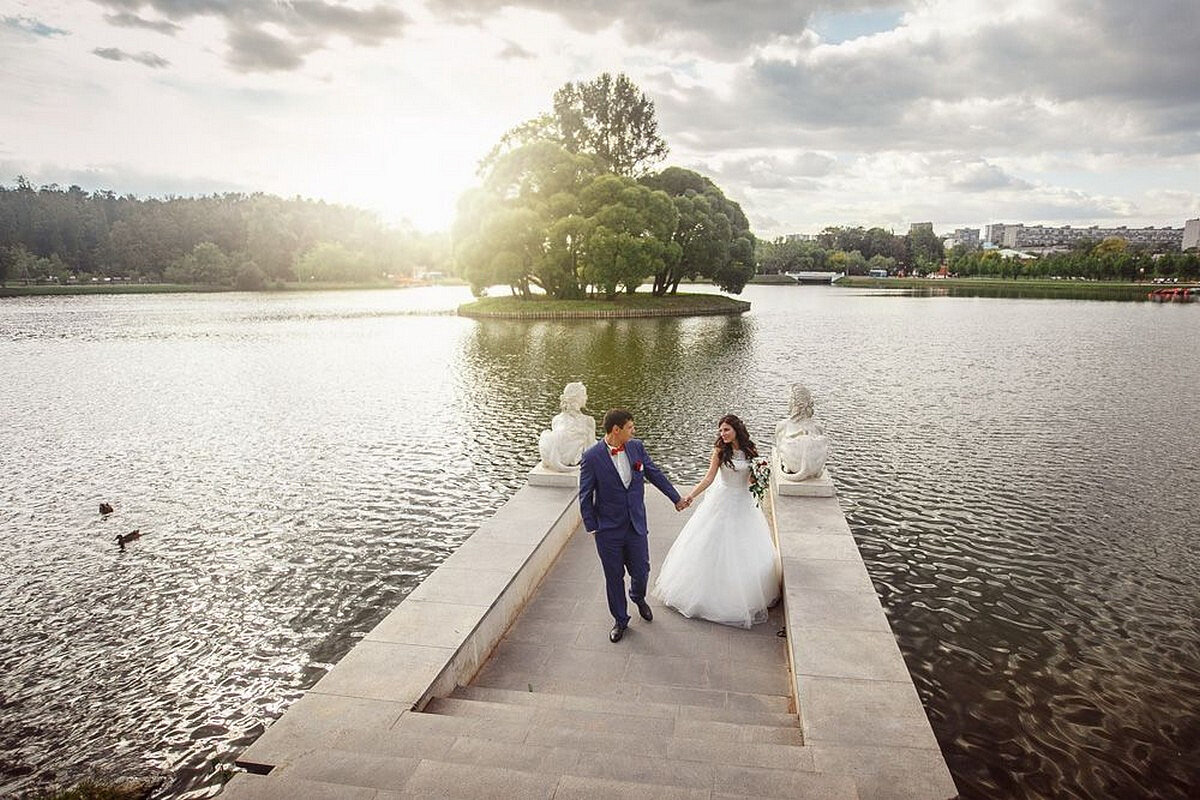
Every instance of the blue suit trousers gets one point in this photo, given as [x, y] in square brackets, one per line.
[621, 550]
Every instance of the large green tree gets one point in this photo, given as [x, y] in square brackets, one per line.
[925, 249]
[523, 227]
[567, 205]
[612, 119]
[712, 234]
[609, 118]
[630, 238]
[560, 222]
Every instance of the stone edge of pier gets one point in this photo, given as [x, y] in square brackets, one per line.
[437, 637]
[859, 709]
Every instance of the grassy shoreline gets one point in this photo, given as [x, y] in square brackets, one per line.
[624, 305]
[1019, 288]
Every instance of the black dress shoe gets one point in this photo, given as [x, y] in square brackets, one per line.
[616, 633]
[644, 610]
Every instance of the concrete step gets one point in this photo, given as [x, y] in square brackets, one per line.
[439, 780]
[635, 708]
[627, 764]
[577, 788]
[419, 729]
[245, 786]
[614, 722]
[481, 768]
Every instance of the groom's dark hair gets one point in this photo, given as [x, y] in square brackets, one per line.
[616, 419]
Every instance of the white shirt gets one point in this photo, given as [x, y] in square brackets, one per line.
[621, 462]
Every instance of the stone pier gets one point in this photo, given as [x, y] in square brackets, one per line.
[495, 678]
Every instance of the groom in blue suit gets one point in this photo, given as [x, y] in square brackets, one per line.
[612, 480]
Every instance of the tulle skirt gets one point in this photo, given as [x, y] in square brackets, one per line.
[723, 566]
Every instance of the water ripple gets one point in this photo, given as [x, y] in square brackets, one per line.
[298, 463]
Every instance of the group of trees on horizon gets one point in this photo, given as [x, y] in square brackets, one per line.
[248, 241]
[854, 251]
[1112, 259]
[857, 251]
[569, 205]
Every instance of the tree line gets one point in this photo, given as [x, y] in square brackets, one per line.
[857, 251]
[1111, 259]
[244, 240]
[854, 251]
[568, 204]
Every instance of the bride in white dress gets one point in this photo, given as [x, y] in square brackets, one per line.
[723, 566]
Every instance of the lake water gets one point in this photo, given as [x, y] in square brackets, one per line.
[1021, 477]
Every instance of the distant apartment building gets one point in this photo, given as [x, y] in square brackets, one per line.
[920, 226]
[1047, 236]
[1001, 234]
[968, 237]
[1191, 234]
[800, 237]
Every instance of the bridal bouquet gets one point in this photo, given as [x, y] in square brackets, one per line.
[760, 478]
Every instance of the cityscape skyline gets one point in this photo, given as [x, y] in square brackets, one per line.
[805, 113]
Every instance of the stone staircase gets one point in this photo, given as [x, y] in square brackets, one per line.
[498, 743]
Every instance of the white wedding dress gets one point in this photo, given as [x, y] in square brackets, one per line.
[723, 566]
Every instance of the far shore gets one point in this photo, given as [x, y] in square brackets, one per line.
[1016, 288]
[982, 286]
[125, 287]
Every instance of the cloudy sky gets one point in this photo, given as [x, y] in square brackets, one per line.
[960, 112]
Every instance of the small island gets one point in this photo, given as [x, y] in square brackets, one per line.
[622, 305]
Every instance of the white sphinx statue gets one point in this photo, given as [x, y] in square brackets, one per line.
[571, 431]
[800, 441]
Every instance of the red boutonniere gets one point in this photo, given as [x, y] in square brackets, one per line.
[637, 466]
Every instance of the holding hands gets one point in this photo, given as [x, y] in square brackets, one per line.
[683, 503]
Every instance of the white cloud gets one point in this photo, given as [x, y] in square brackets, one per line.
[807, 113]
[145, 58]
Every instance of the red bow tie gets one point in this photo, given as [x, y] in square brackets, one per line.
[615, 450]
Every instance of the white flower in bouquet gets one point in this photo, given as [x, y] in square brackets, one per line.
[760, 474]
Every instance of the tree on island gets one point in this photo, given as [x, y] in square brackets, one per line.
[609, 118]
[567, 205]
[713, 234]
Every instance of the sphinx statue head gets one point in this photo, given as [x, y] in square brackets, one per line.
[801, 404]
[799, 440]
[573, 397]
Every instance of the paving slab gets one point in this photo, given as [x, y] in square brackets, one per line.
[836, 610]
[523, 756]
[574, 787]
[862, 712]
[434, 780]
[355, 769]
[868, 655]
[385, 671]
[317, 720]
[833, 574]
[889, 773]
[428, 623]
[760, 782]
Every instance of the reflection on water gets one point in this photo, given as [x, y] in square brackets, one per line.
[1020, 477]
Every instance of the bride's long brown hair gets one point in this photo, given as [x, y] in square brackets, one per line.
[744, 442]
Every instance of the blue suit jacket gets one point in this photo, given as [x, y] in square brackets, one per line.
[604, 502]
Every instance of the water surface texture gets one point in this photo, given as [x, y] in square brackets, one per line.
[1021, 477]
